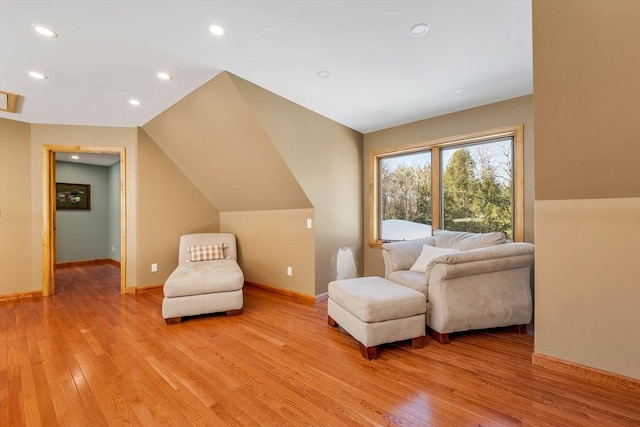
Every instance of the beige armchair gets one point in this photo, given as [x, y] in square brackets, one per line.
[207, 279]
[471, 281]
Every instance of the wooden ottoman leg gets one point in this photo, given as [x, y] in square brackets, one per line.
[417, 342]
[234, 312]
[173, 320]
[441, 338]
[368, 353]
[331, 322]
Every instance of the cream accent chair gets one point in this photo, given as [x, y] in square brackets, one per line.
[486, 284]
[203, 287]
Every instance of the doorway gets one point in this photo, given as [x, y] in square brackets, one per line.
[49, 210]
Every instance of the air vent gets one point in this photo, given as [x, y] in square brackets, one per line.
[8, 101]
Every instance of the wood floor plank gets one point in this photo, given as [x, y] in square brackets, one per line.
[6, 314]
[31, 407]
[91, 355]
[15, 405]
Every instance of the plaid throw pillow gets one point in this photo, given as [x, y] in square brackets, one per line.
[207, 252]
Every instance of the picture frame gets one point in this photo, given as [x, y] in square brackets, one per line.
[73, 196]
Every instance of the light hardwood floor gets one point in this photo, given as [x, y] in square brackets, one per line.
[89, 356]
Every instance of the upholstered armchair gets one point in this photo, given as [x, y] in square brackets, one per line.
[208, 278]
[471, 281]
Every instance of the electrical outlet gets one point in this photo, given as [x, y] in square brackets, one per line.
[289, 271]
[154, 267]
[309, 223]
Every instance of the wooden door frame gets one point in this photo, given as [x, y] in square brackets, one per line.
[49, 211]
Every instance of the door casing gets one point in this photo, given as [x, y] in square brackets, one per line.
[49, 211]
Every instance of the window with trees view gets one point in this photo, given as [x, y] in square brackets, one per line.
[477, 187]
[405, 196]
[468, 183]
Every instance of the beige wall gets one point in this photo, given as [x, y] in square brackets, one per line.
[269, 242]
[587, 88]
[169, 206]
[325, 158]
[588, 282]
[82, 136]
[510, 112]
[587, 169]
[213, 136]
[15, 208]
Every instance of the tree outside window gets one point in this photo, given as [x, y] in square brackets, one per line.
[477, 187]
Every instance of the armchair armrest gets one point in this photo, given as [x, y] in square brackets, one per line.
[506, 256]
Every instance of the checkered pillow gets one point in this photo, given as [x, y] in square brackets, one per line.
[207, 252]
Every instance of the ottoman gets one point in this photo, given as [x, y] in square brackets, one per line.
[377, 311]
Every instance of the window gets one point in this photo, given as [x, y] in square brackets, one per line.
[477, 187]
[405, 196]
[466, 183]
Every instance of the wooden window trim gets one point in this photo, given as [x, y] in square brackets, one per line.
[514, 131]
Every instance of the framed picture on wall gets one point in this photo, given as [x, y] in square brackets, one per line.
[73, 196]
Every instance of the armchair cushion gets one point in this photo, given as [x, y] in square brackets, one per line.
[227, 240]
[410, 279]
[204, 277]
[467, 241]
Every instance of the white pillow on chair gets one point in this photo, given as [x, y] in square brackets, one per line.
[428, 253]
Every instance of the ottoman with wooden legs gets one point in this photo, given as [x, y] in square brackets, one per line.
[377, 311]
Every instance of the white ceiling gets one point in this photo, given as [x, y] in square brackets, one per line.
[380, 76]
[88, 158]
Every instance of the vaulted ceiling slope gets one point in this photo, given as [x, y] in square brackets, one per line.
[214, 137]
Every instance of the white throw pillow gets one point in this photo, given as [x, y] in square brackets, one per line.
[428, 253]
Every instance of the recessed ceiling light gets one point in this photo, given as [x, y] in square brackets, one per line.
[458, 91]
[135, 102]
[164, 76]
[323, 74]
[47, 32]
[419, 29]
[74, 157]
[216, 30]
[37, 75]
